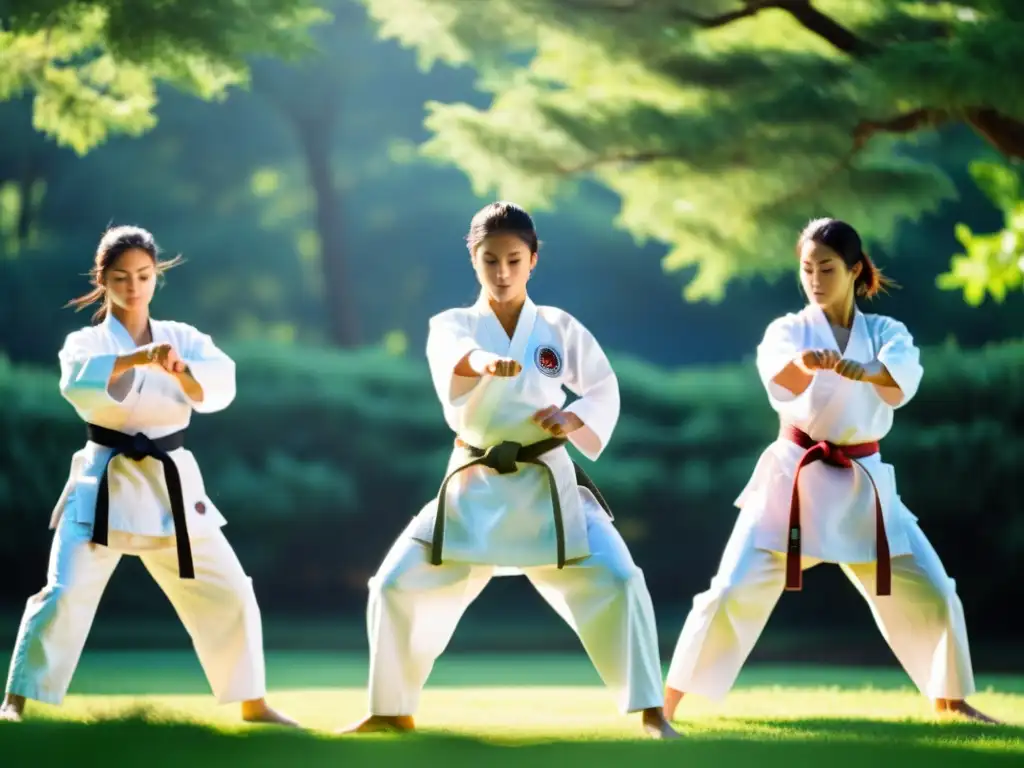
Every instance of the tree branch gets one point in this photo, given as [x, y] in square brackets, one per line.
[710, 22]
[803, 11]
[1003, 132]
[827, 28]
[905, 123]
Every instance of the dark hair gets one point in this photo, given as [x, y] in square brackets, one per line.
[502, 218]
[844, 240]
[115, 241]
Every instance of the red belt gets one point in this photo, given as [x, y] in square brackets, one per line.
[836, 456]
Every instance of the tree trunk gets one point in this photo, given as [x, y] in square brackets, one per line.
[343, 318]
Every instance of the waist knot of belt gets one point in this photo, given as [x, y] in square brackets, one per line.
[844, 457]
[138, 447]
[504, 459]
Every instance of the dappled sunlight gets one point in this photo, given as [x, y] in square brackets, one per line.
[551, 707]
[583, 712]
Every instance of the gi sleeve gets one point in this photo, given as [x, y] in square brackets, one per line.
[590, 375]
[449, 339]
[85, 372]
[901, 357]
[212, 368]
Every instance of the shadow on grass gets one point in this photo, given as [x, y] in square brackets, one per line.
[148, 739]
[955, 734]
[178, 672]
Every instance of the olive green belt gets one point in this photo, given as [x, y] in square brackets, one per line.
[503, 458]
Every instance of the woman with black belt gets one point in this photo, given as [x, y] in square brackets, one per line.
[135, 489]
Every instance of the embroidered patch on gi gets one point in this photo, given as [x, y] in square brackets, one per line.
[200, 508]
[548, 361]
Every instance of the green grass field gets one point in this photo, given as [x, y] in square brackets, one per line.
[153, 709]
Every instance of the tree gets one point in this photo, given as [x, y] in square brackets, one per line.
[92, 67]
[722, 125]
[993, 263]
[310, 96]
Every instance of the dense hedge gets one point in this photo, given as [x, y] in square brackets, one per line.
[325, 455]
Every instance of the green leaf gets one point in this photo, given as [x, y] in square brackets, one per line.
[1000, 183]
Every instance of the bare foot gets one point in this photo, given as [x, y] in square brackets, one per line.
[12, 709]
[960, 708]
[672, 699]
[380, 723]
[258, 711]
[656, 726]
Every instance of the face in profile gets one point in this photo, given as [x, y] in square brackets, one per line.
[131, 280]
[503, 263]
[824, 275]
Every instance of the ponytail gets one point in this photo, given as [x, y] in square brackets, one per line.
[870, 282]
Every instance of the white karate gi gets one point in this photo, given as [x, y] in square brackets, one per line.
[218, 607]
[922, 620]
[504, 524]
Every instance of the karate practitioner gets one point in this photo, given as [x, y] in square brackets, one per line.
[512, 500]
[835, 376]
[135, 489]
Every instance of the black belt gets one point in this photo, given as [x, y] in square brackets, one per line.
[138, 447]
[502, 458]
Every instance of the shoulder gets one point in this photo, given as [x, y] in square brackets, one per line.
[554, 315]
[457, 317]
[181, 333]
[885, 326]
[786, 323]
[85, 338]
[176, 327]
[560, 319]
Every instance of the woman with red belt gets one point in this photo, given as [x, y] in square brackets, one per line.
[821, 492]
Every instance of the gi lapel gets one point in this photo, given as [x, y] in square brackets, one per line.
[514, 348]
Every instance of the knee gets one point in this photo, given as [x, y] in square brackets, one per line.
[61, 591]
[623, 575]
[406, 567]
[944, 596]
[56, 600]
[759, 577]
[52, 594]
[238, 596]
[386, 582]
[724, 588]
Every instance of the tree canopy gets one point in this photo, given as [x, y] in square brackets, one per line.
[92, 67]
[722, 125]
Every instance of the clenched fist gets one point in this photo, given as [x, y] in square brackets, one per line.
[166, 356]
[817, 360]
[503, 367]
[556, 421]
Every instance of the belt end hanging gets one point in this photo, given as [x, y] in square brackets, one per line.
[883, 578]
[794, 570]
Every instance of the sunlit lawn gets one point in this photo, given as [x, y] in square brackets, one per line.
[153, 709]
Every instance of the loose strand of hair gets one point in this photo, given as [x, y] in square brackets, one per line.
[163, 265]
[87, 299]
[872, 280]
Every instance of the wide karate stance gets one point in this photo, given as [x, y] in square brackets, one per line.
[513, 499]
[134, 489]
[821, 493]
